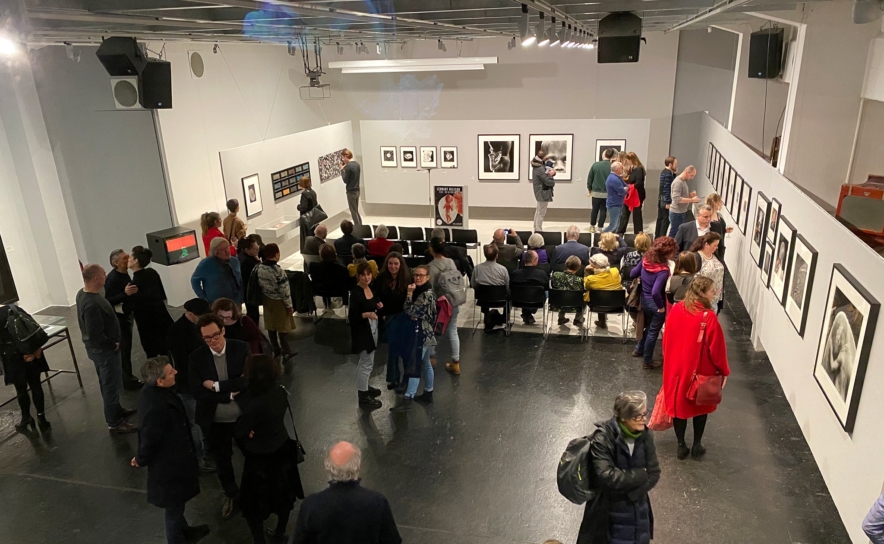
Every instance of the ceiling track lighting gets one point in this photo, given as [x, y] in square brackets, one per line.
[542, 38]
[511, 44]
[568, 35]
[340, 48]
[442, 46]
[555, 39]
[528, 36]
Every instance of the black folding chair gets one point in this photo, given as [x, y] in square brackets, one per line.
[394, 233]
[510, 266]
[415, 260]
[551, 238]
[465, 236]
[345, 260]
[363, 231]
[342, 292]
[546, 267]
[608, 302]
[488, 297]
[530, 297]
[419, 248]
[564, 299]
[550, 251]
[428, 232]
[586, 238]
[629, 239]
[523, 236]
[411, 233]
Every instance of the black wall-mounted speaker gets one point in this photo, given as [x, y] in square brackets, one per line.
[155, 85]
[766, 53]
[619, 38]
[121, 56]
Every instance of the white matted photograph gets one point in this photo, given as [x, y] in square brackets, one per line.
[800, 284]
[428, 157]
[759, 227]
[767, 265]
[499, 157]
[557, 150]
[779, 277]
[448, 156]
[251, 190]
[388, 157]
[775, 208]
[408, 157]
[603, 145]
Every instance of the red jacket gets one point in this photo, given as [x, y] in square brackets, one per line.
[212, 233]
[632, 200]
[682, 357]
[379, 246]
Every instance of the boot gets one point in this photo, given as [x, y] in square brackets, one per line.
[26, 421]
[698, 450]
[374, 391]
[682, 452]
[453, 367]
[367, 401]
[43, 424]
[426, 397]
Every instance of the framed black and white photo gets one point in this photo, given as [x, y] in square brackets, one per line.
[710, 156]
[732, 193]
[715, 161]
[745, 200]
[775, 208]
[408, 157]
[726, 186]
[448, 157]
[723, 167]
[767, 264]
[428, 157]
[851, 314]
[251, 190]
[737, 210]
[388, 157]
[759, 228]
[499, 157]
[603, 145]
[558, 152]
[800, 284]
[779, 277]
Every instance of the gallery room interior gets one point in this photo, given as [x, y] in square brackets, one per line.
[127, 124]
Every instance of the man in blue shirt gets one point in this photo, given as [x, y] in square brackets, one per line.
[617, 190]
[667, 176]
[873, 525]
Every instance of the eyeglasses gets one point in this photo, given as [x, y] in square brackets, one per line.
[226, 317]
[641, 416]
[421, 275]
[215, 336]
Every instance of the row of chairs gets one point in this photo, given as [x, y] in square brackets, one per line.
[467, 237]
[589, 239]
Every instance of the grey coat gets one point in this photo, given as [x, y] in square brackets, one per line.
[543, 183]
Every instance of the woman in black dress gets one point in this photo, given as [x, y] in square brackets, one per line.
[636, 177]
[148, 305]
[391, 287]
[270, 480]
[309, 200]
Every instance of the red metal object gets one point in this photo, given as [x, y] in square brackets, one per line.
[861, 207]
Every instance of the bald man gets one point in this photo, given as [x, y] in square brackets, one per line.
[346, 512]
[682, 198]
[508, 253]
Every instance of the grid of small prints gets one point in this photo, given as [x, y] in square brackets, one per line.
[285, 182]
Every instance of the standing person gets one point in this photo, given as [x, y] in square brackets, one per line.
[218, 276]
[345, 512]
[654, 272]
[873, 524]
[247, 255]
[216, 376]
[617, 190]
[166, 448]
[210, 224]
[391, 286]
[694, 344]
[238, 326]
[568, 281]
[682, 276]
[667, 176]
[148, 304]
[118, 288]
[350, 172]
[440, 267]
[271, 482]
[278, 307]
[420, 306]
[22, 371]
[598, 190]
[364, 306]
[544, 182]
[709, 266]
[309, 200]
[682, 198]
[718, 224]
[689, 232]
[101, 335]
[233, 227]
[636, 178]
[624, 462]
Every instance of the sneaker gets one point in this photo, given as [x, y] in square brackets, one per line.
[195, 533]
[698, 450]
[226, 507]
[129, 412]
[374, 391]
[426, 397]
[123, 428]
[682, 452]
[207, 465]
[592, 229]
[637, 353]
[403, 405]
[453, 367]
[367, 401]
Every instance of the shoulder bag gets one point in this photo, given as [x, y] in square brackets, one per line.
[314, 217]
[294, 448]
[705, 390]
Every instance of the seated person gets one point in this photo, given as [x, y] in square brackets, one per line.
[311, 245]
[397, 248]
[572, 247]
[568, 281]
[379, 245]
[491, 273]
[344, 244]
[508, 253]
[613, 247]
[329, 276]
[535, 244]
[601, 276]
[238, 326]
[358, 252]
[456, 253]
[529, 274]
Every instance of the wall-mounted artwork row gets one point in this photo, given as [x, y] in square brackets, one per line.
[285, 182]
[408, 157]
[499, 157]
[330, 166]
[557, 149]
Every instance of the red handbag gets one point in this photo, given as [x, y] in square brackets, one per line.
[660, 420]
[705, 390]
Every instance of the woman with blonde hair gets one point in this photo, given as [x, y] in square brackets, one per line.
[613, 247]
[718, 223]
[601, 276]
[636, 178]
[210, 224]
[641, 244]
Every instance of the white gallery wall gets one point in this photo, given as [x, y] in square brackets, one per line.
[837, 453]
[409, 186]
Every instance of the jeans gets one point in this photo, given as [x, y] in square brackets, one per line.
[662, 227]
[451, 334]
[126, 345]
[366, 360]
[220, 442]
[110, 379]
[614, 217]
[353, 202]
[539, 214]
[599, 211]
[190, 408]
[175, 524]
[675, 221]
[429, 376]
[653, 324]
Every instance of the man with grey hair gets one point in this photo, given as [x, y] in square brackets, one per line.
[312, 243]
[117, 289]
[682, 198]
[346, 512]
[617, 190]
[218, 276]
[689, 232]
[571, 247]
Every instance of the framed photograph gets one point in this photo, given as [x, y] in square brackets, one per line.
[851, 314]
[428, 157]
[800, 284]
[329, 167]
[603, 145]
[408, 157]
[759, 227]
[726, 185]
[732, 198]
[767, 265]
[785, 240]
[775, 207]
[449, 157]
[499, 157]
[722, 175]
[745, 200]
[558, 151]
[710, 156]
[251, 191]
[388, 157]
[737, 210]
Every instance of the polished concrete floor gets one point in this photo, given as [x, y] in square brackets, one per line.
[476, 467]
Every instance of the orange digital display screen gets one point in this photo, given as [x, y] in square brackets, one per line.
[177, 244]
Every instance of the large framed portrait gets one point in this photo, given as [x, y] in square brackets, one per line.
[845, 342]
[388, 157]
[251, 190]
[428, 157]
[767, 264]
[499, 157]
[779, 277]
[558, 151]
[745, 200]
[448, 156]
[408, 157]
[603, 145]
[800, 284]
[759, 228]
[775, 208]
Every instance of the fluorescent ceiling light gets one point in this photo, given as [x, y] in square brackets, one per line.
[7, 47]
[398, 69]
[412, 65]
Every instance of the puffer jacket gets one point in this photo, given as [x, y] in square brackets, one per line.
[543, 183]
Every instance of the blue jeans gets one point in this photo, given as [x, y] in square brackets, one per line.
[653, 324]
[109, 366]
[175, 524]
[451, 335]
[429, 376]
[195, 431]
[675, 221]
[614, 218]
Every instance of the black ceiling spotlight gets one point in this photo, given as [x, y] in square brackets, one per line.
[554, 38]
[620, 37]
[511, 44]
[442, 46]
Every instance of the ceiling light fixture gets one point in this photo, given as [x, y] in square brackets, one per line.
[528, 36]
[560, 37]
[554, 38]
[569, 37]
[511, 44]
[442, 46]
[412, 65]
[542, 38]
[340, 48]
[7, 47]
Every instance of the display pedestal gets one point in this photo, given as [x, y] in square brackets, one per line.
[176, 281]
[277, 228]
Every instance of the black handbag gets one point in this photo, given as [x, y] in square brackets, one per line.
[293, 446]
[314, 217]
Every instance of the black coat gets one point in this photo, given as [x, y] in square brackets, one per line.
[621, 511]
[202, 368]
[183, 339]
[346, 513]
[149, 308]
[13, 362]
[165, 447]
[361, 337]
[247, 263]
[308, 201]
[330, 277]
[344, 245]
[530, 275]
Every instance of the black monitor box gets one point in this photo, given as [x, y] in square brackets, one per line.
[8, 292]
[619, 38]
[173, 246]
[766, 53]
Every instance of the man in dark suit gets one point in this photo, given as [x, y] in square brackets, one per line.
[216, 380]
[529, 274]
[312, 243]
[571, 247]
[688, 232]
[346, 512]
[166, 448]
[344, 244]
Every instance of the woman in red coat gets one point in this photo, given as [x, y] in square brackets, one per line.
[210, 224]
[685, 351]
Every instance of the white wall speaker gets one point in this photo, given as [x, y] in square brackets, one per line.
[125, 93]
[197, 64]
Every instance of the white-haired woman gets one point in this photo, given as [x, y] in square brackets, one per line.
[601, 276]
[379, 246]
[624, 462]
[535, 244]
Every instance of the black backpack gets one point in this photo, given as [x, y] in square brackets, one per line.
[574, 471]
[27, 335]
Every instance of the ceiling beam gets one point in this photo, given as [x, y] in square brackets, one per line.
[706, 13]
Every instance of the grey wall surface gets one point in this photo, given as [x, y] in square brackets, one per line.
[868, 155]
[107, 159]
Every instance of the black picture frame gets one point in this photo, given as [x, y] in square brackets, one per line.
[745, 196]
[767, 263]
[760, 214]
[776, 210]
[737, 202]
[798, 296]
[786, 230]
[710, 155]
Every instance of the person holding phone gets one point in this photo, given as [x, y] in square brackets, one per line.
[350, 172]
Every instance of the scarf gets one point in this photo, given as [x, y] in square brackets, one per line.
[626, 432]
[653, 268]
[420, 289]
